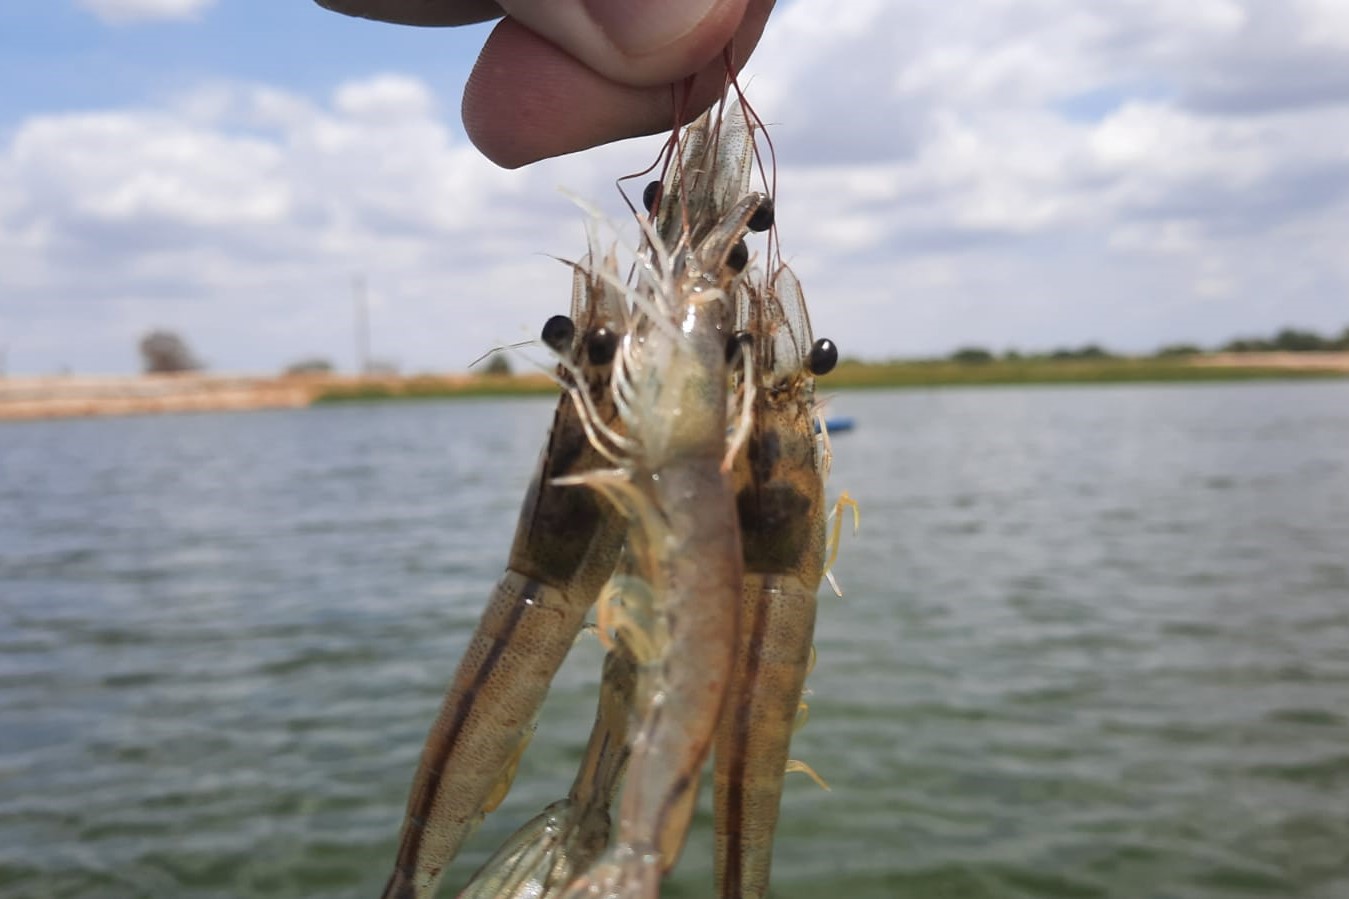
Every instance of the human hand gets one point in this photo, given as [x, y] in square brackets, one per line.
[557, 76]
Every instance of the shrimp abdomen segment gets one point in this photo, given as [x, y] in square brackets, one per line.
[701, 566]
[525, 633]
[778, 622]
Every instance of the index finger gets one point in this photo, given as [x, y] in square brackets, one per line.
[528, 99]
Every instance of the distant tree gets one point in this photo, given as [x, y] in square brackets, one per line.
[1090, 351]
[164, 352]
[497, 365]
[972, 355]
[1012, 355]
[381, 368]
[1342, 342]
[1179, 349]
[1290, 340]
[313, 366]
[1248, 345]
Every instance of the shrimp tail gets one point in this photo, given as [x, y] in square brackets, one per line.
[544, 855]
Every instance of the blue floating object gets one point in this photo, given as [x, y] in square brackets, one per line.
[835, 425]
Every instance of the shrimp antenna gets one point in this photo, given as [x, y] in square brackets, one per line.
[503, 348]
[662, 157]
[767, 174]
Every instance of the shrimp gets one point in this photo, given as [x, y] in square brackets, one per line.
[545, 854]
[711, 176]
[781, 505]
[670, 386]
[565, 546]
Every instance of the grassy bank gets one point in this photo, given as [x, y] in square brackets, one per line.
[868, 374]
[69, 396]
[424, 387]
[938, 373]
[934, 373]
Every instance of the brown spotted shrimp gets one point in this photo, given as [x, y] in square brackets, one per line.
[565, 547]
[781, 505]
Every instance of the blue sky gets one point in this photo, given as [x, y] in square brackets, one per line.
[1024, 174]
[67, 57]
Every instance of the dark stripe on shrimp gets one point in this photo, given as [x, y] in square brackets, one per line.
[735, 790]
[411, 848]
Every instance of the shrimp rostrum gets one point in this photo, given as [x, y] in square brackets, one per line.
[565, 547]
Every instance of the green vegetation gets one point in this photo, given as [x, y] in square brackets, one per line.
[851, 373]
[1290, 340]
[1048, 370]
[165, 352]
[497, 364]
[424, 387]
[969, 365]
[315, 365]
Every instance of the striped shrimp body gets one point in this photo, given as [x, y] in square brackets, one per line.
[670, 386]
[565, 547]
[711, 176]
[545, 855]
[781, 506]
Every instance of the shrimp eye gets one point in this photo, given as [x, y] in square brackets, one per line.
[738, 258]
[762, 219]
[650, 195]
[601, 345]
[735, 344]
[823, 357]
[557, 333]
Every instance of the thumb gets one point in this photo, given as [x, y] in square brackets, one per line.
[634, 42]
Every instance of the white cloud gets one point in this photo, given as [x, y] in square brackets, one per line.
[240, 213]
[385, 98]
[1051, 172]
[1028, 174]
[122, 11]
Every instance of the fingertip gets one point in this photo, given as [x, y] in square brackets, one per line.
[527, 100]
[643, 43]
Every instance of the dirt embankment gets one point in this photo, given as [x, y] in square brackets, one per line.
[1294, 361]
[65, 397]
[72, 396]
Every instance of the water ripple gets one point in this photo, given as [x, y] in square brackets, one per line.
[1094, 643]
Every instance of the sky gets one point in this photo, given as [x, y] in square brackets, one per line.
[1022, 174]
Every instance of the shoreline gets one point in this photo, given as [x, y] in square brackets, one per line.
[75, 396]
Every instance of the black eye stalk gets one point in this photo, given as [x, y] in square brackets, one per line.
[557, 334]
[823, 357]
[651, 196]
[738, 258]
[736, 344]
[762, 219]
[601, 346]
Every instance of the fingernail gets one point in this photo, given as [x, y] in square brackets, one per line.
[637, 27]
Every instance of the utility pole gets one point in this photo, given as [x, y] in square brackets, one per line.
[362, 324]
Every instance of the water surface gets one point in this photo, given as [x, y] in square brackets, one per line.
[1095, 642]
